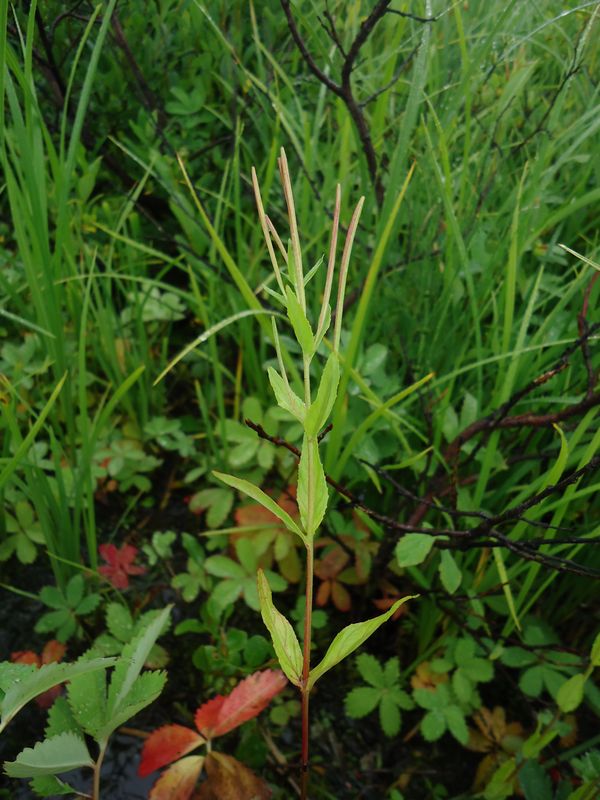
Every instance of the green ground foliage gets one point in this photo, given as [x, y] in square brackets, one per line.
[462, 448]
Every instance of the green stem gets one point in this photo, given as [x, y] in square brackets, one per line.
[306, 665]
[97, 770]
[307, 398]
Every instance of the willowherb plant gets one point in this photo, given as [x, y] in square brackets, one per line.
[312, 411]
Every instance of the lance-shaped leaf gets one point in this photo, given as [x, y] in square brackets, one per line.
[300, 324]
[37, 681]
[251, 696]
[179, 781]
[350, 638]
[261, 497]
[50, 757]
[285, 395]
[312, 487]
[165, 745]
[326, 394]
[133, 658]
[283, 635]
[146, 688]
[313, 271]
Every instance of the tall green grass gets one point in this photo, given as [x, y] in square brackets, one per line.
[486, 143]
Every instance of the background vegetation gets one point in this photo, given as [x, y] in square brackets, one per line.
[465, 436]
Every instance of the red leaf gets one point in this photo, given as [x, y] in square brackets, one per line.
[222, 714]
[165, 745]
[179, 781]
[25, 657]
[323, 593]
[331, 564]
[53, 651]
[120, 564]
[208, 715]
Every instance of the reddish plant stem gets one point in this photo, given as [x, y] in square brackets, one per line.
[306, 667]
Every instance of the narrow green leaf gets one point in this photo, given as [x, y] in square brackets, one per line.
[257, 494]
[561, 461]
[324, 326]
[300, 324]
[312, 272]
[13, 673]
[312, 487]
[41, 680]
[206, 335]
[595, 654]
[50, 757]
[413, 549]
[326, 394]
[450, 573]
[570, 694]
[285, 396]
[350, 638]
[132, 661]
[19, 454]
[283, 636]
[580, 257]
[291, 264]
[506, 588]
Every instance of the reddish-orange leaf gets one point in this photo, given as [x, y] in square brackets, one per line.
[208, 716]
[323, 593]
[53, 651]
[228, 779]
[46, 699]
[119, 564]
[165, 745]
[25, 657]
[331, 564]
[222, 714]
[254, 515]
[340, 596]
[179, 781]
